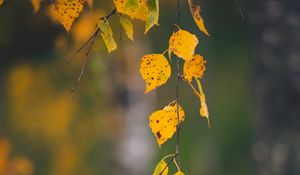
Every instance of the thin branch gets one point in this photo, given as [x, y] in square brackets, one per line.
[69, 59]
[84, 63]
[239, 9]
[92, 39]
[170, 161]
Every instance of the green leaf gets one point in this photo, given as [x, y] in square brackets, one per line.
[127, 26]
[153, 14]
[107, 35]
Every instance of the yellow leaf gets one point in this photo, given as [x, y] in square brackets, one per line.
[155, 70]
[163, 123]
[153, 14]
[107, 35]
[195, 11]
[161, 168]
[183, 44]
[194, 68]
[179, 173]
[127, 26]
[36, 4]
[203, 106]
[136, 9]
[66, 11]
[1, 2]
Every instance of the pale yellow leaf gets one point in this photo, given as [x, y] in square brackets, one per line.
[182, 43]
[127, 26]
[155, 70]
[163, 123]
[36, 4]
[161, 168]
[107, 35]
[194, 68]
[66, 11]
[195, 11]
[179, 173]
[203, 106]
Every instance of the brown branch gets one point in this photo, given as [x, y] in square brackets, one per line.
[84, 63]
[92, 39]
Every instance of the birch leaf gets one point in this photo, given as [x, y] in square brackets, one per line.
[153, 14]
[195, 11]
[163, 122]
[127, 26]
[107, 35]
[66, 11]
[160, 167]
[183, 44]
[179, 173]
[36, 4]
[194, 68]
[136, 9]
[203, 106]
[155, 70]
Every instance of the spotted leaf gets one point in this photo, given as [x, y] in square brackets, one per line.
[107, 35]
[195, 11]
[136, 9]
[164, 122]
[182, 43]
[194, 68]
[155, 70]
[66, 11]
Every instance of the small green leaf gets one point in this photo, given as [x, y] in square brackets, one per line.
[107, 35]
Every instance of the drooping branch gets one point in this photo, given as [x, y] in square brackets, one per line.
[92, 40]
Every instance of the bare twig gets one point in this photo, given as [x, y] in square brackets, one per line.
[84, 63]
[69, 59]
[92, 39]
[239, 9]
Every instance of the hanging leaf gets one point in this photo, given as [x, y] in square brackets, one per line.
[36, 4]
[161, 168]
[179, 173]
[183, 44]
[195, 11]
[153, 14]
[107, 34]
[164, 122]
[136, 9]
[203, 107]
[1, 2]
[200, 94]
[127, 26]
[66, 11]
[155, 70]
[194, 68]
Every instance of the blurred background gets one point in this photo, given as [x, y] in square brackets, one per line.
[252, 87]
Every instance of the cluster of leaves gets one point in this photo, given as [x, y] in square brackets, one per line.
[155, 69]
